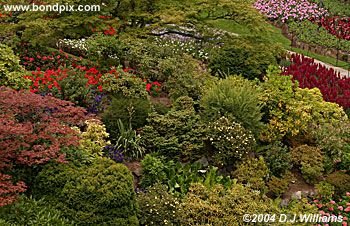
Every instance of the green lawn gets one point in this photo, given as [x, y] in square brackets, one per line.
[275, 35]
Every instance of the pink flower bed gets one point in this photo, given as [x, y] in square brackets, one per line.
[285, 10]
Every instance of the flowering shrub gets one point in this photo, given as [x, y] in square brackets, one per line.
[312, 75]
[329, 207]
[153, 88]
[158, 207]
[33, 130]
[337, 26]
[230, 141]
[73, 84]
[285, 10]
[73, 45]
[33, 59]
[184, 44]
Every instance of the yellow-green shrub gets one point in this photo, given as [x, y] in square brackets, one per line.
[11, 72]
[310, 159]
[219, 207]
[93, 139]
[289, 110]
[252, 172]
[98, 194]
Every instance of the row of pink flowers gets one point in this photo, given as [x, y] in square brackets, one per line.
[285, 10]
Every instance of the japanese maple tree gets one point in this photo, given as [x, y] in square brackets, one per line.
[33, 130]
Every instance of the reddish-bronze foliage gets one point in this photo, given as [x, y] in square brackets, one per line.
[33, 130]
[309, 74]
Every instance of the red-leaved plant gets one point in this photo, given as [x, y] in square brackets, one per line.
[338, 26]
[33, 130]
[309, 74]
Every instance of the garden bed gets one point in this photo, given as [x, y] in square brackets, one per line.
[329, 52]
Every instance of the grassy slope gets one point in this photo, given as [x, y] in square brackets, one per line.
[275, 35]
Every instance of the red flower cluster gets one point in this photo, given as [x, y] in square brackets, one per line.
[110, 31]
[33, 61]
[337, 26]
[47, 79]
[33, 129]
[310, 75]
[153, 88]
[42, 80]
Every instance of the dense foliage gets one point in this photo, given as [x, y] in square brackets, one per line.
[92, 194]
[170, 112]
[34, 129]
[312, 75]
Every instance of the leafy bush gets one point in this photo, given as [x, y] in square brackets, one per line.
[249, 58]
[78, 85]
[235, 98]
[31, 212]
[158, 207]
[278, 186]
[277, 157]
[178, 133]
[119, 82]
[185, 77]
[217, 206]
[290, 110]
[310, 159]
[106, 50]
[252, 172]
[180, 73]
[333, 140]
[11, 72]
[33, 130]
[93, 139]
[340, 181]
[324, 190]
[179, 177]
[129, 110]
[230, 141]
[98, 194]
[153, 171]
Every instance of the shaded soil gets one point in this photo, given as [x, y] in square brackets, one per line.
[299, 184]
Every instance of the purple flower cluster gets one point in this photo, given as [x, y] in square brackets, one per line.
[114, 153]
[285, 10]
[95, 106]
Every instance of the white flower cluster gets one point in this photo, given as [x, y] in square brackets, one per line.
[78, 44]
[230, 137]
[179, 46]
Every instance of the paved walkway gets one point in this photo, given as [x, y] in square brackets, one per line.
[342, 71]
